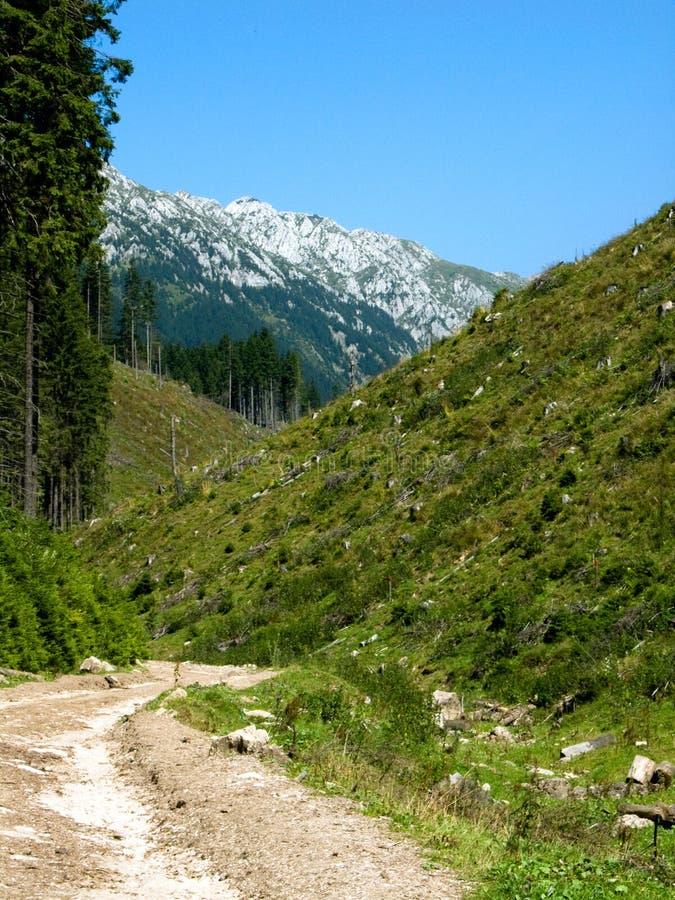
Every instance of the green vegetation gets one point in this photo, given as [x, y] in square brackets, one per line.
[140, 434]
[54, 613]
[369, 733]
[516, 538]
[493, 517]
[57, 102]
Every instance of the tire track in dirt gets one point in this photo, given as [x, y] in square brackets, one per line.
[94, 807]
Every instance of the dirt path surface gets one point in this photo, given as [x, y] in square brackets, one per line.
[95, 807]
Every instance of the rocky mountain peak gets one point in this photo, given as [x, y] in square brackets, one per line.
[313, 282]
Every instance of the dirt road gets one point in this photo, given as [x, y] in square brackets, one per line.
[95, 807]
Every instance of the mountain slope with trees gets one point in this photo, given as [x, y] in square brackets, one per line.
[493, 518]
[329, 294]
[140, 455]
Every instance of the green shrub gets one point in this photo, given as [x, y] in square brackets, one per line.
[53, 612]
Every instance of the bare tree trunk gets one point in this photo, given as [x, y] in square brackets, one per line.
[229, 395]
[99, 320]
[133, 343]
[29, 424]
[174, 465]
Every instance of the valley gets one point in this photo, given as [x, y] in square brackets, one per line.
[329, 567]
[493, 517]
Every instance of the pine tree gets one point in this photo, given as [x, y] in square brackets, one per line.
[291, 383]
[76, 409]
[57, 97]
[132, 306]
[96, 289]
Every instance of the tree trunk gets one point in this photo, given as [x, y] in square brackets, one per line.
[174, 465]
[29, 424]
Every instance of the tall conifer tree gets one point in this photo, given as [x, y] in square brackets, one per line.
[57, 98]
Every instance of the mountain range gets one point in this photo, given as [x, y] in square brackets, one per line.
[329, 293]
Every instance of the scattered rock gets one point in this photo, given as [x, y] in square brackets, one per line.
[558, 788]
[461, 794]
[113, 682]
[500, 733]
[664, 774]
[450, 715]
[258, 714]
[617, 790]
[96, 666]
[245, 740]
[629, 821]
[536, 770]
[488, 711]
[179, 694]
[448, 700]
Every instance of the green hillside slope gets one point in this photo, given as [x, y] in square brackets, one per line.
[496, 518]
[497, 511]
[140, 451]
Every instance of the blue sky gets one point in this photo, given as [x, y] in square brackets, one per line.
[504, 134]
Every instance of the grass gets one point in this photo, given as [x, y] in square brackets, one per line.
[362, 733]
[496, 518]
[140, 457]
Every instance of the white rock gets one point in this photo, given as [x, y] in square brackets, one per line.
[245, 740]
[94, 665]
[631, 821]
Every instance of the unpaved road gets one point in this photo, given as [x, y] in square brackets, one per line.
[95, 807]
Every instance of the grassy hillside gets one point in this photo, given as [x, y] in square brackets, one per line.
[495, 518]
[491, 509]
[140, 452]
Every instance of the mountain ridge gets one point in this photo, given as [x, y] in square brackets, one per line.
[313, 283]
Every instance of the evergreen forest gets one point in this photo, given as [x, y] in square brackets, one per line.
[248, 376]
[57, 103]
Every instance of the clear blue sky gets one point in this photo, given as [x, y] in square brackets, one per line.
[505, 134]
